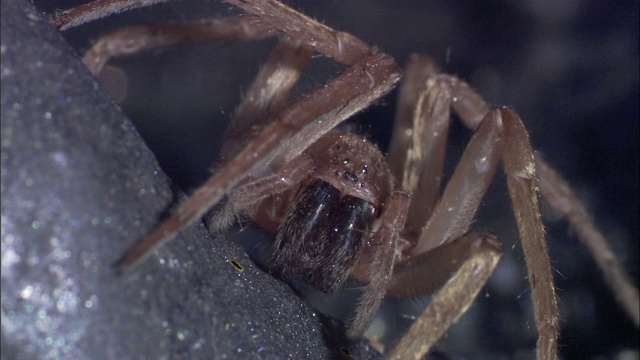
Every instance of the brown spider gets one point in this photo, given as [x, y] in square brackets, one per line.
[282, 167]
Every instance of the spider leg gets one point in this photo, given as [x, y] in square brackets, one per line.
[267, 95]
[520, 169]
[437, 253]
[245, 196]
[500, 133]
[471, 108]
[380, 262]
[94, 10]
[519, 166]
[333, 103]
[440, 264]
[134, 39]
[293, 129]
[557, 192]
[464, 192]
[454, 298]
[418, 146]
[340, 46]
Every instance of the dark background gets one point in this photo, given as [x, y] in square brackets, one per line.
[569, 68]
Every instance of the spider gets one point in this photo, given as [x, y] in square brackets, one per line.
[286, 169]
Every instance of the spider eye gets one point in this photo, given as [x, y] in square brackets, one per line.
[321, 236]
